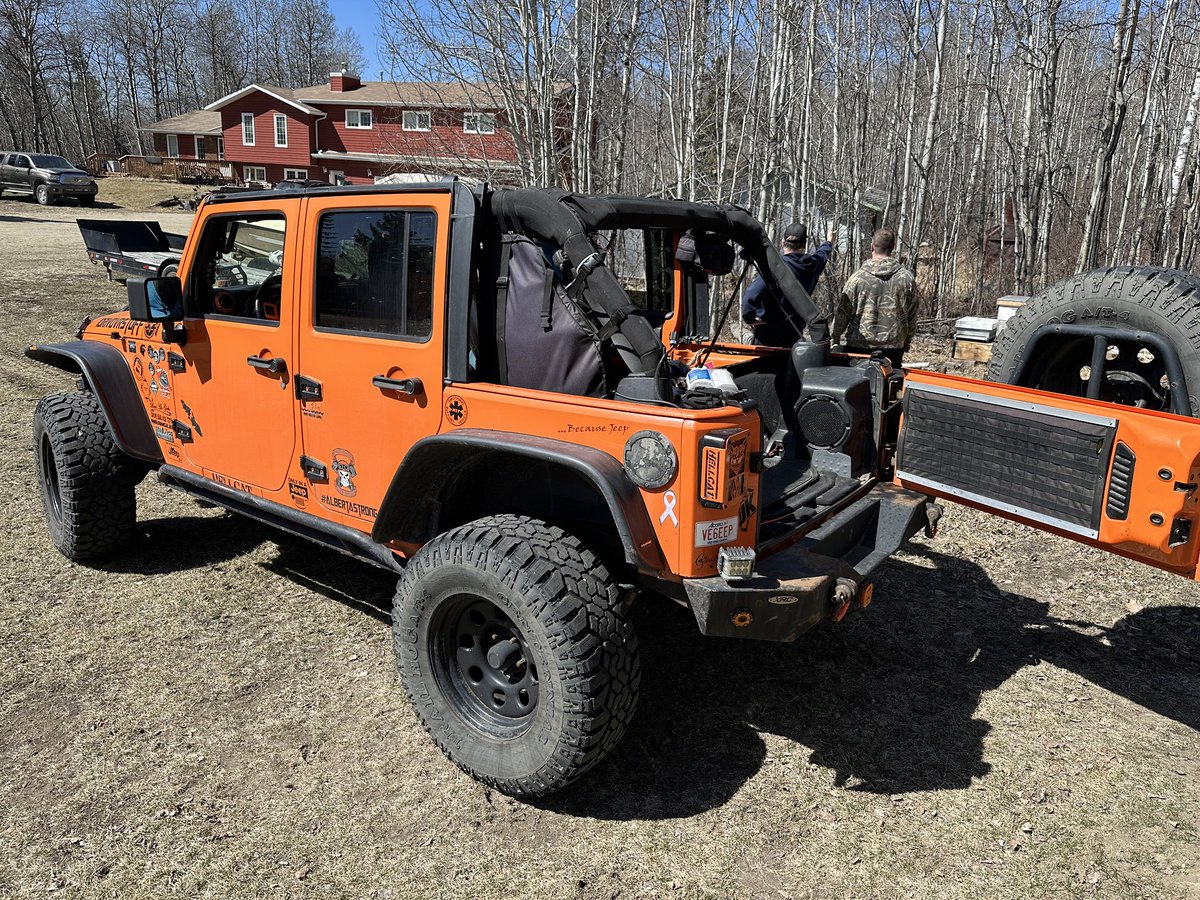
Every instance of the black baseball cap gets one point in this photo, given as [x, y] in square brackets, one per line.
[796, 235]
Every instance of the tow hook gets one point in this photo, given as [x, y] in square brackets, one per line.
[933, 513]
[843, 595]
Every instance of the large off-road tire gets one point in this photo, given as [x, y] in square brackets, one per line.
[87, 482]
[515, 648]
[41, 193]
[1135, 299]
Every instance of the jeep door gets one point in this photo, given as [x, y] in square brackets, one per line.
[1115, 477]
[371, 342]
[235, 397]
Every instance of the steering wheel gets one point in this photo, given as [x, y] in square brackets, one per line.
[263, 298]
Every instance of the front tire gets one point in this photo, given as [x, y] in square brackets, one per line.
[516, 651]
[87, 483]
[42, 194]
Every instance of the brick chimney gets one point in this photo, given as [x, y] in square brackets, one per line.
[343, 81]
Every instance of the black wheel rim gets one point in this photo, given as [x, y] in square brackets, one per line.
[50, 478]
[486, 664]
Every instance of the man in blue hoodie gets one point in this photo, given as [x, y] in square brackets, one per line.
[767, 311]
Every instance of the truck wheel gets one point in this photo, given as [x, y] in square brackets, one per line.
[1129, 299]
[87, 483]
[516, 651]
[42, 193]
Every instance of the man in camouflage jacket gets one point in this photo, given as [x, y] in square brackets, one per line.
[877, 310]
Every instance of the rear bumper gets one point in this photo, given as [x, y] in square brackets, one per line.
[796, 588]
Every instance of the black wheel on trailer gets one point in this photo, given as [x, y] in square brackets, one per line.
[1128, 335]
[515, 648]
[169, 268]
[87, 483]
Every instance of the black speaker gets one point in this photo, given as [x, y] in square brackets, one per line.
[835, 417]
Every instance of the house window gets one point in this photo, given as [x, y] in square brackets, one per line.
[375, 272]
[358, 118]
[172, 145]
[200, 150]
[295, 174]
[280, 131]
[254, 173]
[248, 129]
[479, 123]
[220, 148]
[417, 120]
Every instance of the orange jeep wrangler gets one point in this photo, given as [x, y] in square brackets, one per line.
[514, 400]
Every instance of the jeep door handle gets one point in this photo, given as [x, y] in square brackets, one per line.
[274, 365]
[410, 386]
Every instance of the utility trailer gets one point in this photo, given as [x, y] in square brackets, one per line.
[131, 249]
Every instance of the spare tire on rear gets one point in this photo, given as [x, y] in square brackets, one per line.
[1147, 319]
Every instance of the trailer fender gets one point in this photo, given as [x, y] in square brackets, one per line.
[438, 486]
[108, 376]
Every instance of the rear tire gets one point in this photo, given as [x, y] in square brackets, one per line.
[516, 651]
[1142, 299]
[87, 482]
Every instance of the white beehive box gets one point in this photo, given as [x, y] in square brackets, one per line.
[976, 328]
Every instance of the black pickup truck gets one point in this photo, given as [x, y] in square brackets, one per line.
[45, 178]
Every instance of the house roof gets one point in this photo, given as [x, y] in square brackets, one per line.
[284, 95]
[198, 121]
[449, 95]
[385, 159]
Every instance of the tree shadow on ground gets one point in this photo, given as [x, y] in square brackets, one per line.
[887, 699]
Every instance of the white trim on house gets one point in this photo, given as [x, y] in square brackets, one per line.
[250, 173]
[297, 174]
[248, 119]
[280, 117]
[220, 147]
[173, 142]
[360, 127]
[198, 142]
[417, 115]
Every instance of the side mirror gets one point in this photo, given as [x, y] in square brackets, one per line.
[155, 299]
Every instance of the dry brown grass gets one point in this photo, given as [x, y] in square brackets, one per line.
[216, 714]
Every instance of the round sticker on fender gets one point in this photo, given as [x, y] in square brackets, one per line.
[713, 534]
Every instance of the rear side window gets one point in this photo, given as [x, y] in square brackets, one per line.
[375, 272]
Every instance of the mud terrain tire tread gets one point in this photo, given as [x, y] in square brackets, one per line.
[1163, 301]
[562, 597]
[96, 479]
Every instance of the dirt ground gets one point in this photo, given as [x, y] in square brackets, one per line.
[216, 714]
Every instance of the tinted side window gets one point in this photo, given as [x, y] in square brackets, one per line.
[375, 272]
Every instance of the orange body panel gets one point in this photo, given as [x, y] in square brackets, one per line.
[1161, 442]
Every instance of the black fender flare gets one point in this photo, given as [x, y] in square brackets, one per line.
[108, 376]
[411, 507]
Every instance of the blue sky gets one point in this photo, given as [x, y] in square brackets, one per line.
[360, 15]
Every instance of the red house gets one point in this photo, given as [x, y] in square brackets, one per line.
[347, 131]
